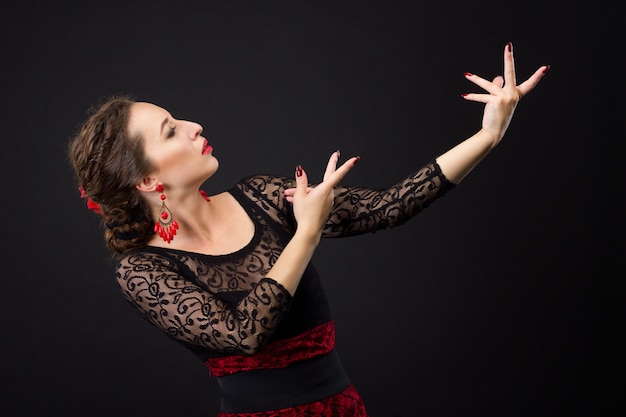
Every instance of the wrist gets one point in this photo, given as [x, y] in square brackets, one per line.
[307, 235]
[488, 138]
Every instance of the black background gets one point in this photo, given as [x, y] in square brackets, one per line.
[502, 299]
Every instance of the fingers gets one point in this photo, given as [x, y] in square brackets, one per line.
[290, 192]
[332, 176]
[509, 73]
[301, 181]
[506, 83]
[525, 87]
[509, 67]
[482, 83]
[338, 174]
[332, 164]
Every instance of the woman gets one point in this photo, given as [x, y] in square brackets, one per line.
[229, 276]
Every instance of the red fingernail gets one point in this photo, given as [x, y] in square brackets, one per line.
[464, 95]
[509, 46]
[298, 171]
[468, 74]
[358, 158]
[546, 69]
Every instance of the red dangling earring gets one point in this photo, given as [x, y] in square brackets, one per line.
[165, 226]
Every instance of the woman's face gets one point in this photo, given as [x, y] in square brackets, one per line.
[180, 155]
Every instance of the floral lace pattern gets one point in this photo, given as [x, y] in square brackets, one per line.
[187, 312]
[227, 305]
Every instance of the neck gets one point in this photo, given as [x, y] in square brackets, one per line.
[184, 218]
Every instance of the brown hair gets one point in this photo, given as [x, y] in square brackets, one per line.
[108, 164]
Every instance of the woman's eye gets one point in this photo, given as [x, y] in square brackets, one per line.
[171, 132]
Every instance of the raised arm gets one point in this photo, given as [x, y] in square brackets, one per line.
[501, 99]
[360, 210]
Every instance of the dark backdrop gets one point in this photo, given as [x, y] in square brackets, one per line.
[502, 299]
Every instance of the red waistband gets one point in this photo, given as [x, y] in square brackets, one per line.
[280, 354]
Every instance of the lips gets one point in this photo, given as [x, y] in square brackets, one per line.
[206, 148]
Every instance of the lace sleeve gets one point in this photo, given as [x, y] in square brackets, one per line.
[157, 288]
[361, 210]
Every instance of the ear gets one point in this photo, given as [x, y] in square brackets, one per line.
[147, 184]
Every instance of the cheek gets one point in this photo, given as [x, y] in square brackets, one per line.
[171, 157]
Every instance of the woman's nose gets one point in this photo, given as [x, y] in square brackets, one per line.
[195, 129]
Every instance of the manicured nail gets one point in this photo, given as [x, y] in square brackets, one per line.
[298, 171]
[338, 153]
[509, 46]
[546, 69]
[464, 95]
[358, 158]
[468, 74]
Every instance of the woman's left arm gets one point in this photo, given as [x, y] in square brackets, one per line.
[360, 210]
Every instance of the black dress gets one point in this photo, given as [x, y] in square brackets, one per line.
[272, 354]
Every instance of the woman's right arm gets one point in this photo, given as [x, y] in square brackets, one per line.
[155, 285]
[311, 209]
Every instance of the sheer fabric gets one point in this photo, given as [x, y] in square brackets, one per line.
[220, 306]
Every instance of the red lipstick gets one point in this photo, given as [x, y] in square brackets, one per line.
[206, 148]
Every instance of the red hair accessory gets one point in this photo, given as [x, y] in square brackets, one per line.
[91, 205]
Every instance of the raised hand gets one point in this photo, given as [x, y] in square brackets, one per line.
[311, 205]
[501, 99]
[503, 95]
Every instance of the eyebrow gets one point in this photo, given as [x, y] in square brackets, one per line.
[163, 123]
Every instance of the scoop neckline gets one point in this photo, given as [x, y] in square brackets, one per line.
[256, 236]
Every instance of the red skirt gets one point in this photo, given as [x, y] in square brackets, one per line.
[306, 368]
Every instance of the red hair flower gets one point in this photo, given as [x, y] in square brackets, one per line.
[91, 205]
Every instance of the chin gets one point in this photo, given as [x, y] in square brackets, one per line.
[215, 164]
